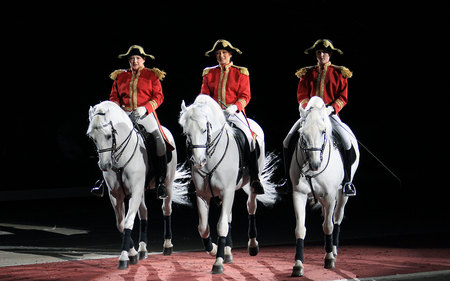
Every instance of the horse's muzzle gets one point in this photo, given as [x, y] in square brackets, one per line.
[104, 166]
[198, 164]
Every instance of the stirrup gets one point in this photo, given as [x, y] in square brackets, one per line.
[98, 188]
[257, 187]
[349, 189]
[284, 187]
[161, 192]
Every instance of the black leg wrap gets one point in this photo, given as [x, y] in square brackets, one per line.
[252, 232]
[168, 227]
[229, 241]
[328, 243]
[207, 244]
[300, 246]
[143, 231]
[221, 247]
[336, 230]
[126, 240]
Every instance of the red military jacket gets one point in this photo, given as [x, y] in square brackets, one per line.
[228, 84]
[141, 88]
[328, 82]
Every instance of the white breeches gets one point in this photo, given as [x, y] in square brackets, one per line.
[238, 119]
[151, 126]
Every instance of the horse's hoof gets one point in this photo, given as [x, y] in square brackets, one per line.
[253, 251]
[329, 263]
[167, 251]
[122, 265]
[142, 255]
[133, 259]
[217, 269]
[228, 258]
[297, 270]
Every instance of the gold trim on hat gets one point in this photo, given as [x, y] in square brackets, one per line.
[225, 44]
[326, 43]
[141, 51]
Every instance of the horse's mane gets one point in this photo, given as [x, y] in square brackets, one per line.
[202, 107]
[97, 113]
[316, 108]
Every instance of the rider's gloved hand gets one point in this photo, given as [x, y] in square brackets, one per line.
[140, 111]
[330, 110]
[232, 109]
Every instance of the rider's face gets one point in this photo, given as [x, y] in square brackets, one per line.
[136, 62]
[223, 56]
[322, 56]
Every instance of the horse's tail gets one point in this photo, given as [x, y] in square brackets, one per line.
[180, 185]
[270, 196]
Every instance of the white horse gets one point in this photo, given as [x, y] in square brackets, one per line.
[215, 170]
[316, 171]
[123, 160]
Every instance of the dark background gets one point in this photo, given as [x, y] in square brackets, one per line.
[58, 60]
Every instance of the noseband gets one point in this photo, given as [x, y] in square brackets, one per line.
[210, 145]
[310, 149]
[117, 151]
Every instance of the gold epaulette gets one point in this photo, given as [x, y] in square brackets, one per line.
[244, 70]
[206, 70]
[302, 71]
[159, 73]
[344, 71]
[115, 73]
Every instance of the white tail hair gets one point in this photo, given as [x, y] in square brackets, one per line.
[180, 185]
[270, 196]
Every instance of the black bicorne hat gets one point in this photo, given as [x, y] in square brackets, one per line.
[323, 44]
[222, 44]
[136, 50]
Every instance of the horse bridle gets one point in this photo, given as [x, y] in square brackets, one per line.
[210, 145]
[309, 149]
[117, 151]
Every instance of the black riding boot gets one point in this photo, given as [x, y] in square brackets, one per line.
[98, 188]
[160, 177]
[348, 157]
[254, 177]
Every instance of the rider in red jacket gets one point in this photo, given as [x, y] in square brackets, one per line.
[329, 82]
[229, 85]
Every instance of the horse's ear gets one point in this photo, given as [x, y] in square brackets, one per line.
[302, 111]
[91, 111]
[183, 106]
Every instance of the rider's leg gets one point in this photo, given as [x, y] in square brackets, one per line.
[286, 187]
[151, 126]
[239, 121]
[347, 153]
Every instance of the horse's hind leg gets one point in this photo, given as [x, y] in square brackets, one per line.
[338, 217]
[252, 246]
[143, 216]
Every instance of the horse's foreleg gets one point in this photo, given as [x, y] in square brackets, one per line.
[222, 229]
[299, 200]
[338, 217]
[252, 245]
[203, 226]
[328, 205]
[129, 254]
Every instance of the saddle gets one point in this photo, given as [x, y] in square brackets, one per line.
[150, 146]
[244, 150]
